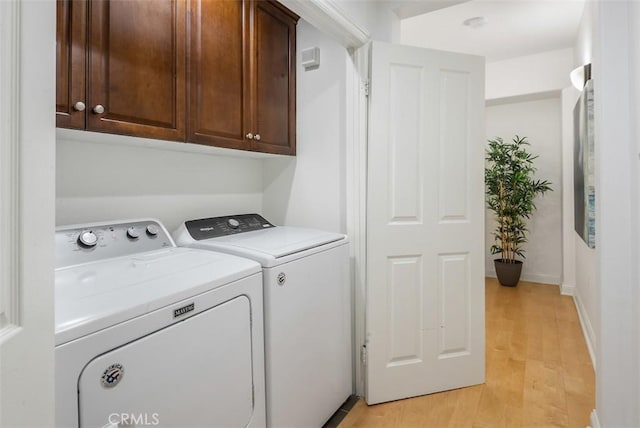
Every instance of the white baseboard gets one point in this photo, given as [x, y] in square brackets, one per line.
[530, 277]
[595, 423]
[587, 329]
[567, 289]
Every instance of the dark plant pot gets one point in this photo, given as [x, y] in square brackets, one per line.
[508, 273]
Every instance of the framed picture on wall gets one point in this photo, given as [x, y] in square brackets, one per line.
[584, 167]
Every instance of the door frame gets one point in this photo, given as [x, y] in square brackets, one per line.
[10, 243]
[357, 109]
[328, 16]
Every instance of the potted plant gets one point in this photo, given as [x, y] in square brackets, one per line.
[511, 190]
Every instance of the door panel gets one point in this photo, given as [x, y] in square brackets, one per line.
[71, 37]
[274, 69]
[453, 177]
[405, 112]
[136, 67]
[218, 73]
[405, 340]
[453, 288]
[425, 223]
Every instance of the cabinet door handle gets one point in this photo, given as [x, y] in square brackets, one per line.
[257, 137]
[79, 106]
[249, 136]
[99, 109]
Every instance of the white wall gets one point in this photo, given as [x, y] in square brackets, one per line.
[615, 67]
[587, 294]
[362, 12]
[309, 190]
[375, 20]
[569, 98]
[540, 122]
[530, 74]
[634, 67]
[97, 181]
[585, 261]
[378, 17]
[580, 261]
[583, 48]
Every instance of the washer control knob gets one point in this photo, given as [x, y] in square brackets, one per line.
[133, 233]
[87, 238]
[233, 223]
[152, 230]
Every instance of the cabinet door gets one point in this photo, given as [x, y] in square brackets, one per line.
[136, 68]
[274, 82]
[218, 73]
[71, 38]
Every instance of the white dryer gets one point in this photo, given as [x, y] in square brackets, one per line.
[150, 334]
[307, 309]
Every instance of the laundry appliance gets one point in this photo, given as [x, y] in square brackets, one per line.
[150, 334]
[307, 309]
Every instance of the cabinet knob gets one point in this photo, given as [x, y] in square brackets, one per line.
[79, 106]
[249, 136]
[99, 109]
[257, 137]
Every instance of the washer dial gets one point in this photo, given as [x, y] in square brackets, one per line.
[87, 238]
[233, 223]
[133, 233]
[152, 230]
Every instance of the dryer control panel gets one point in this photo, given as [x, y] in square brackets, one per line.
[213, 227]
[86, 243]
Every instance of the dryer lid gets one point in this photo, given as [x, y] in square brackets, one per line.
[93, 296]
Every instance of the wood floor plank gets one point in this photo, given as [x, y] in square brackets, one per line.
[538, 371]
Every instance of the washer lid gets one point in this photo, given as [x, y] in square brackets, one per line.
[276, 242]
[97, 295]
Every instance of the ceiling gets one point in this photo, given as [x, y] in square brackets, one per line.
[515, 27]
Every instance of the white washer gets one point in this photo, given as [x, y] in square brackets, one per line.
[307, 308]
[150, 334]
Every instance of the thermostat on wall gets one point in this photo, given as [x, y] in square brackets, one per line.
[311, 58]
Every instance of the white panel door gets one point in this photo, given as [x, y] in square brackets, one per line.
[27, 217]
[425, 223]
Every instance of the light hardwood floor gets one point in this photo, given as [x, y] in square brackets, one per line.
[539, 373]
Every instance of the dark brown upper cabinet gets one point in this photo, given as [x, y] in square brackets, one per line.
[121, 67]
[136, 69]
[274, 79]
[214, 72]
[71, 63]
[218, 72]
[242, 75]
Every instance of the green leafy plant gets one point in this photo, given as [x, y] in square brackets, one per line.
[511, 190]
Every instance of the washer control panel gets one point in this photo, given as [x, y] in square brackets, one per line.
[91, 242]
[213, 227]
